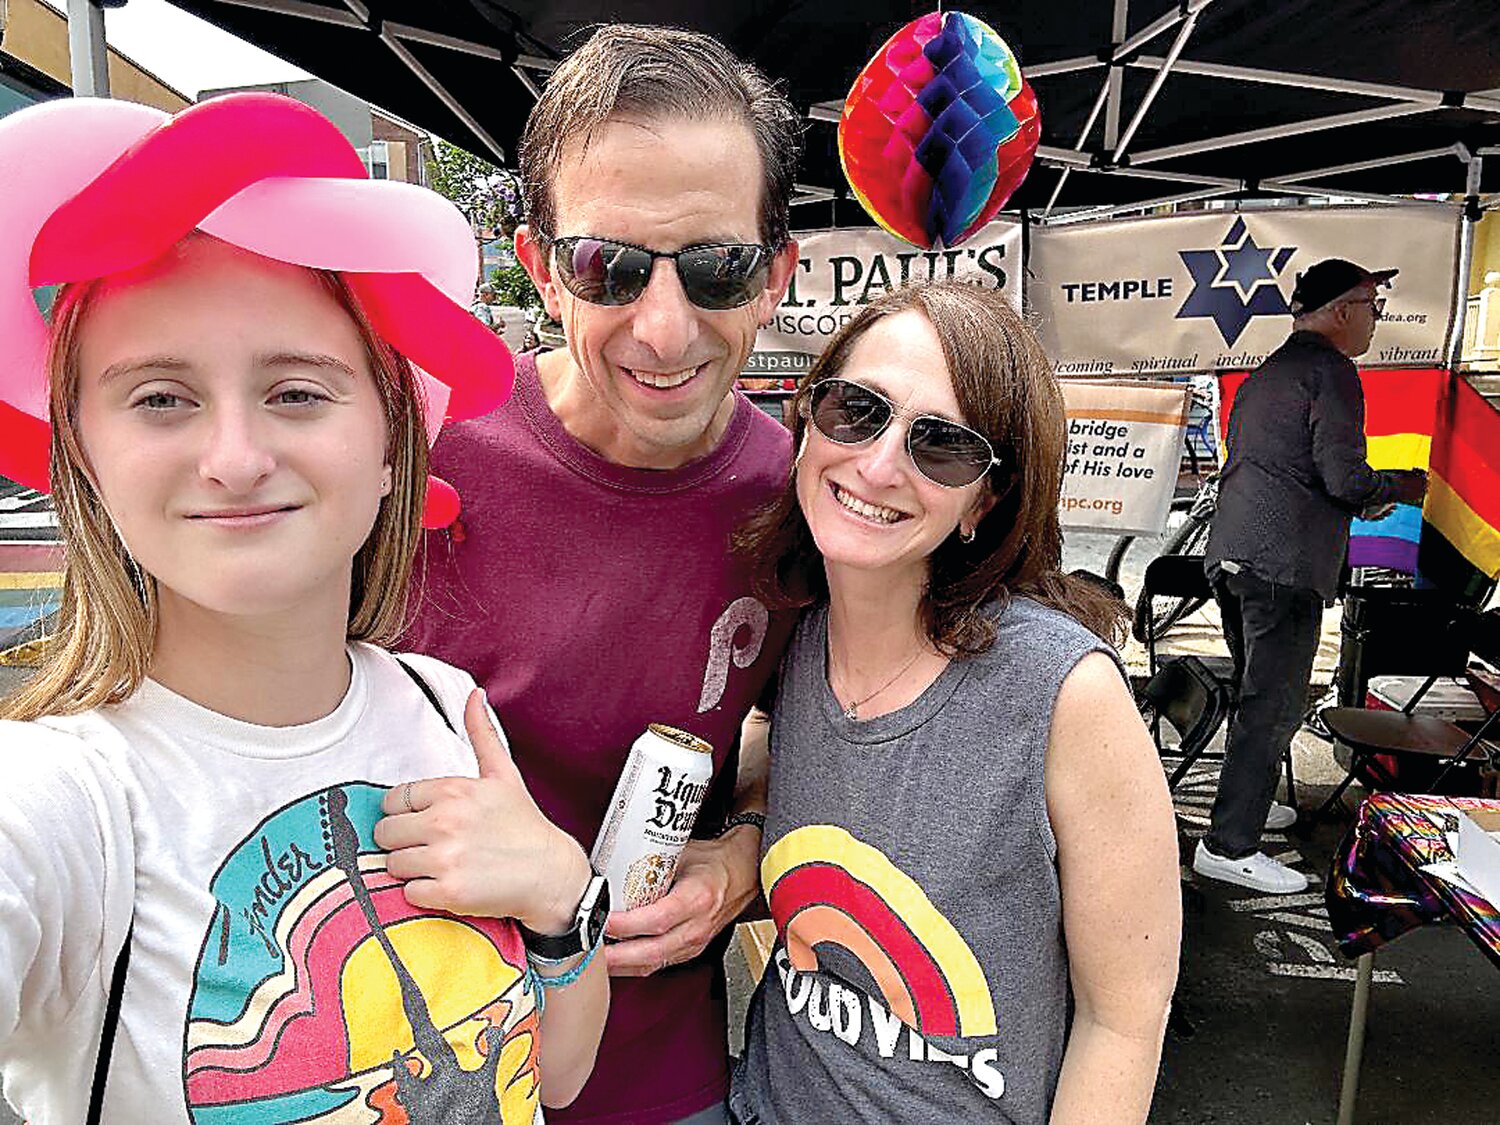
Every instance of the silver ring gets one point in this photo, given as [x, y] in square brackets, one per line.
[406, 797]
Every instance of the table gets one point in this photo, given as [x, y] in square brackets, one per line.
[1377, 892]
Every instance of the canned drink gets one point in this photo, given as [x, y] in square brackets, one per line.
[651, 814]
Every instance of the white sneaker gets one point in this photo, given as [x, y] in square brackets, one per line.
[1259, 872]
[1280, 816]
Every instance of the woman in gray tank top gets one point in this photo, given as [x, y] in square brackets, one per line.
[970, 852]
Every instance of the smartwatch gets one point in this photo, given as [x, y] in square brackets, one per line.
[588, 926]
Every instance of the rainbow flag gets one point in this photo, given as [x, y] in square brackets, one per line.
[1401, 412]
[1460, 546]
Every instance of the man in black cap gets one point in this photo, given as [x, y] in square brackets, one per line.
[1296, 476]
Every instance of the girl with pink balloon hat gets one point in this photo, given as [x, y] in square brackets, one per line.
[217, 863]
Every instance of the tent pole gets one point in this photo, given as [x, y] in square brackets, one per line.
[1129, 47]
[1465, 260]
[526, 80]
[425, 76]
[1368, 165]
[1311, 81]
[1116, 80]
[1060, 66]
[1156, 84]
[1318, 191]
[1292, 129]
[87, 50]
[1083, 139]
[1140, 205]
[1130, 173]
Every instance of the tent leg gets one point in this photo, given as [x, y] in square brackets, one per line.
[1355, 1048]
[1472, 215]
[87, 50]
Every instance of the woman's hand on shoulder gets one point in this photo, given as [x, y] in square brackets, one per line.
[479, 845]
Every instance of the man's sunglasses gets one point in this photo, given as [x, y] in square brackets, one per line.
[604, 272]
[944, 452]
[1377, 304]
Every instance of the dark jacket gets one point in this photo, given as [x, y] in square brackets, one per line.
[1297, 472]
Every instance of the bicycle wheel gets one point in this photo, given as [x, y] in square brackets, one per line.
[1188, 539]
[1131, 554]
[1117, 555]
[1134, 551]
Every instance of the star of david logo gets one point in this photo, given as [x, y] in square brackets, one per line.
[1235, 282]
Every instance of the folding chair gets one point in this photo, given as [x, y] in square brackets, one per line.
[1371, 735]
[1183, 577]
[1180, 577]
[1193, 701]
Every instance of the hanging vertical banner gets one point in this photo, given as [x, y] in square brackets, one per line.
[1209, 291]
[840, 271]
[1124, 447]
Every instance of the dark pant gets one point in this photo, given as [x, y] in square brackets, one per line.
[713, 1115]
[1272, 632]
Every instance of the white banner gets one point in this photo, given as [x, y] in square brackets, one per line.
[1209, 291]
[1124, 447]
[841, 270]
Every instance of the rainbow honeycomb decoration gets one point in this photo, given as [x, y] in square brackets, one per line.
[938, 130]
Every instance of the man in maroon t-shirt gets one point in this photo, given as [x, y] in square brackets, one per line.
[589, 585]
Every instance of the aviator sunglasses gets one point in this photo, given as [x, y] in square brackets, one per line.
[602, 271]
[944, 452]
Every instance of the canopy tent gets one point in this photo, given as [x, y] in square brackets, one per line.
[1142, 100]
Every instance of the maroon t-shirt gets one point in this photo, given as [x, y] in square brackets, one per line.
[590, 599]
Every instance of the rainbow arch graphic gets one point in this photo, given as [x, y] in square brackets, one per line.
[824, 885]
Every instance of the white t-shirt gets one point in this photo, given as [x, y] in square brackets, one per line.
[275, 967]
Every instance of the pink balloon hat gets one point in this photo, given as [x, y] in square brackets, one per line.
[90, 188]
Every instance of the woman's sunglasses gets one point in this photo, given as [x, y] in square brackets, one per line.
[604, 272]
[944, 452]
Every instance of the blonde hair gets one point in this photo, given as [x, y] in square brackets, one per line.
[106, 629]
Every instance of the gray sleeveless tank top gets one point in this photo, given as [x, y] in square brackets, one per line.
[919, 973]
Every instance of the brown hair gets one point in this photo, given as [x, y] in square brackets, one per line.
[652, 73]
[1006, 390]
[107, 623]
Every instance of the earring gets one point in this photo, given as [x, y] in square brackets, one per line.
[385, 481]
[966, 534]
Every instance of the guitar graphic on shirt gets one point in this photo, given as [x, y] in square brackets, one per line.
[447, 1094]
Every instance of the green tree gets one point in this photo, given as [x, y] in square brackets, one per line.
[490, 197]
[472, 184]
[513, 287]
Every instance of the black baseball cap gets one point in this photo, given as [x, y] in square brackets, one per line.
[1329, 280]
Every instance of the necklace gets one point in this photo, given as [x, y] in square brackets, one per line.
[851, 712]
